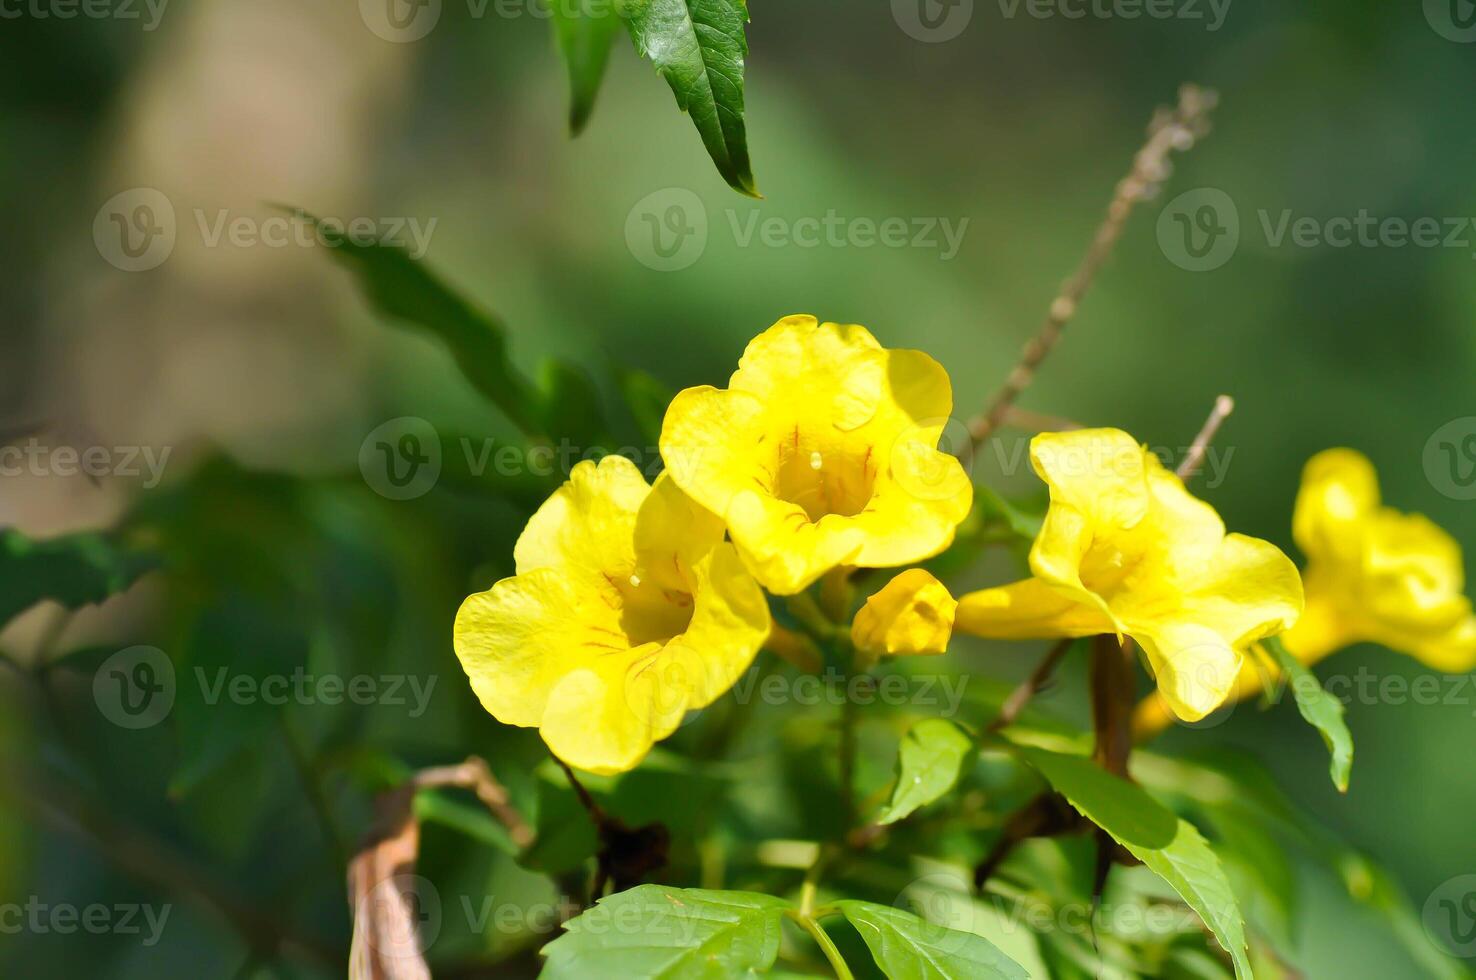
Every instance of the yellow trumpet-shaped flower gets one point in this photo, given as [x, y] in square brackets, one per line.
[911, 615]
[1125, 548]
[627, 610]
[1373, 575]
[821, 452]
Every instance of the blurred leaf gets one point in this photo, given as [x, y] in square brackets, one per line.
[1372, 886]
[908, 948]
[647, 398]
[1171, 847]
[585, 30]
[1022, 519]
[929, 762]
[402, 288]
[698, 46]
[439, 806]
[655, 931]
[1319, 709]
[75, 570]
[571, 404]
[239, 672]
[565, 838]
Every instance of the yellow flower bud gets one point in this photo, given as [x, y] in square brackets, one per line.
[911, 615]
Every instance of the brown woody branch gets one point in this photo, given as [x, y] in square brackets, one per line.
[1170, 129]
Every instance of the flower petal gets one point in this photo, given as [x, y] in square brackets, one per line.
[1339, 491]
[515, 640]
[586, 526]
[604, 717]
[1029, 609]
[911, 615]
[1195, 668]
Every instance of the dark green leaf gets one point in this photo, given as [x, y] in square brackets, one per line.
[402, 288]
[698, 46]
[436, 806]
[929, 762]
[1171, 847]
[585, 30]
[653, 931]
[908, 948]
[571, 405]
[1320, 710]
[75, 570]
[647, 398]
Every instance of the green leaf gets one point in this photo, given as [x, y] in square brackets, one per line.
[1319, 709]
[585, 30]
[929, 762]
[647, 398]
[571, 404]
[1172, 848]
[403, 289]
[653, 931]
[74, 570]
[698, 46]
[437, 806]
[908, 948]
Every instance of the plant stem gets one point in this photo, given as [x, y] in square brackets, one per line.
[1224, 405]
[1170, 129]
[1030, 686]
[833, 955]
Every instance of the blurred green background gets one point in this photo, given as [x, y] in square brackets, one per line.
[262, 370]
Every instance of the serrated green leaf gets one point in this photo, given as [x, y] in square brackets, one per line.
[74, 570]
[403, 289]
[1171, 847]
[652, 932]
[929, 762]
[585, 30]
[698, 46]
[1319, 709]
[909, 948]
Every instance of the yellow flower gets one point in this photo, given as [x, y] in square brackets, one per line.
[821, 452]
[911, 615]
[627, 610]
[1126, 549]
[1375, 574]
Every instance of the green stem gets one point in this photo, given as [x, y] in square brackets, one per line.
[833, 955]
